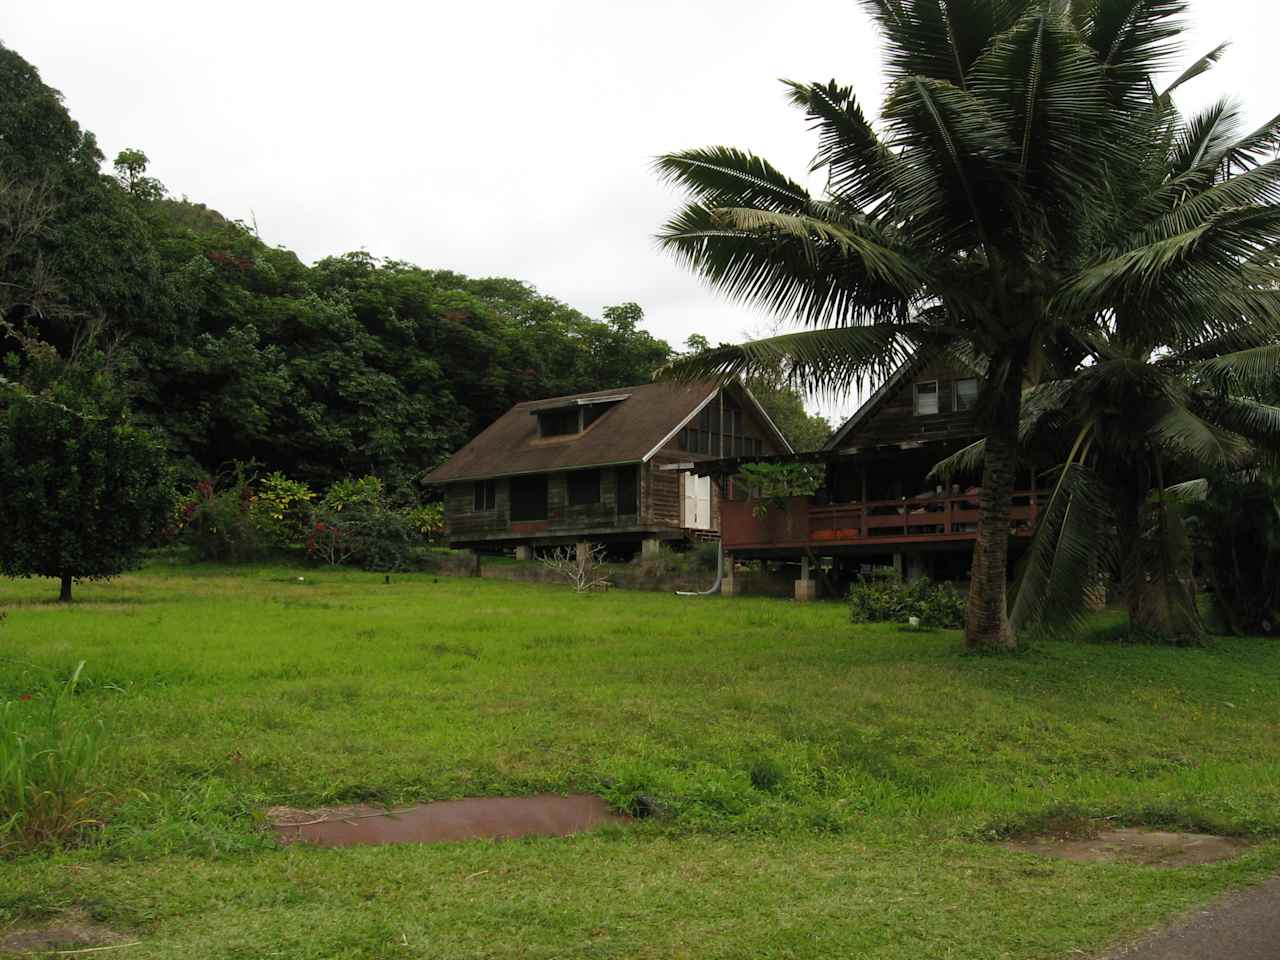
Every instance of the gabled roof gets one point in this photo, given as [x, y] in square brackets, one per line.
[631, 432]
[886, 390]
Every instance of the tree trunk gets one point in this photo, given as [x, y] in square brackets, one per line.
[987, 624]
[1156, 596]
[65, 595]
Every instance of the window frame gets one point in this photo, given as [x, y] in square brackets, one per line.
[956, 405]
[484, 496]
[915, 393]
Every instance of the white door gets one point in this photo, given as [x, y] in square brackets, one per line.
[697, 502]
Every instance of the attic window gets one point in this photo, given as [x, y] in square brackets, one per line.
[926, 398]
[568, 420]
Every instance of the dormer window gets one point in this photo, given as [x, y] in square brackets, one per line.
[573, 417]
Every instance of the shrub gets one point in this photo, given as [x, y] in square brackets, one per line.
[887, 599]
[705, 556]
[48, 758]
[427, 521]
[354, 525]
[280, 509]
[220, 524]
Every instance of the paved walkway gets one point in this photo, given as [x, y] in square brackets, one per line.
[1241, 926]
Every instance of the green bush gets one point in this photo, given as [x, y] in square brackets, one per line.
[887, 599]
[355, 525]
[48, 757]
[219, 524]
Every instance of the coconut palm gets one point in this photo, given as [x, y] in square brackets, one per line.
[1131, 422]
[972, 220]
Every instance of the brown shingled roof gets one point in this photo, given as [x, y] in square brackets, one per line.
[628, 433]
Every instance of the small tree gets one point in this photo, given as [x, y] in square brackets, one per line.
[81, 489]
[583, 566]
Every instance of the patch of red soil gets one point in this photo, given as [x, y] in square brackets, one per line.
[443, 822]
[1150, 848]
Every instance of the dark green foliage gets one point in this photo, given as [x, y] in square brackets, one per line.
[82, 490]
[1236, 529]
[888, 599]
[240, 352]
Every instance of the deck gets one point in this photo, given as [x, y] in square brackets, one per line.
[803, 525]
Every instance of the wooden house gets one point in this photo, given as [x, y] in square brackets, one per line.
[613, 467]
[879, 507]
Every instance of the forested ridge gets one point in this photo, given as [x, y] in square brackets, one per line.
[235, 350]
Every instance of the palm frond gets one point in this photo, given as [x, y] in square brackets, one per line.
[1251, 371]
[831, 360]
[728, 177]
[818, 273]
[1073, 544]
[1201, 66]
[1181, 433]
[860, 167]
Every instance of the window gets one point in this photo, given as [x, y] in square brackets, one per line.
[529, 498]
[560, 423]
[594, 411]
[485, 495]
[628, 492]
[926, 398]
[966, 394]
[584, 488]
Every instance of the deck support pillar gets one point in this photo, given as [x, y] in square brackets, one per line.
[524, 551]
[728, 582]
[806, 586]
[650, 547]
[583, 551]
[899, 566]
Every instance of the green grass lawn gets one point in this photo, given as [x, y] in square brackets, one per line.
[830, 790]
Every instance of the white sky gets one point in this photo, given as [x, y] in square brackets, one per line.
[495, 138]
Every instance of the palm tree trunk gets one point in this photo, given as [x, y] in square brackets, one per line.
[65, 595]
[987, 624]
[1156, 597]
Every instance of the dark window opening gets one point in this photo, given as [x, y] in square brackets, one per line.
[484, 495]
[560, 423]
[594, 411]
[529, 498]
[584, 488]
[628, 492]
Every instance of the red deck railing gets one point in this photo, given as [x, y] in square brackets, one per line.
[800, 523]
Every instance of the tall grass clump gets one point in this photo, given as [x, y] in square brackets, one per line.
[48, 758]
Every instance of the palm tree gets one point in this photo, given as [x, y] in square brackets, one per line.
[973, 220]
[1135, 418]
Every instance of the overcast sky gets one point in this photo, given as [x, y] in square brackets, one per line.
[491, 137]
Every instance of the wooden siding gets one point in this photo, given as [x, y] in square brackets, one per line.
[896, 421]
[659, 508]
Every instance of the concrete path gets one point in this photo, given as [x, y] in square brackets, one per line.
[1241, 926]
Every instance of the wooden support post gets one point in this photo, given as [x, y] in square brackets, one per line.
[729, 583]
[524, 551]
[583, 550]
[649, 548]
[806, 586]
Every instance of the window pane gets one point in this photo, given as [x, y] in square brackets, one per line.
[529, 498]
[966, 394]
[558, 423]
[926, 398]
[627, 491]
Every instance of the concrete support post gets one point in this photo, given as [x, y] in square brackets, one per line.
[898, 566]
[729, 582]
[524, 551]
[583, 551]
[806, 586]
[649, 548]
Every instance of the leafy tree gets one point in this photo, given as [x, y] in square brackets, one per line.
[973, 220]
[82, 490]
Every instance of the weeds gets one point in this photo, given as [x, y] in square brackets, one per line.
[48, 757]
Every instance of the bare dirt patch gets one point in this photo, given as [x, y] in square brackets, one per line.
[443, 822]
[1136, 845]
[72, 930]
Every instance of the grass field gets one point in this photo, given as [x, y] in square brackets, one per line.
[830, 790]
